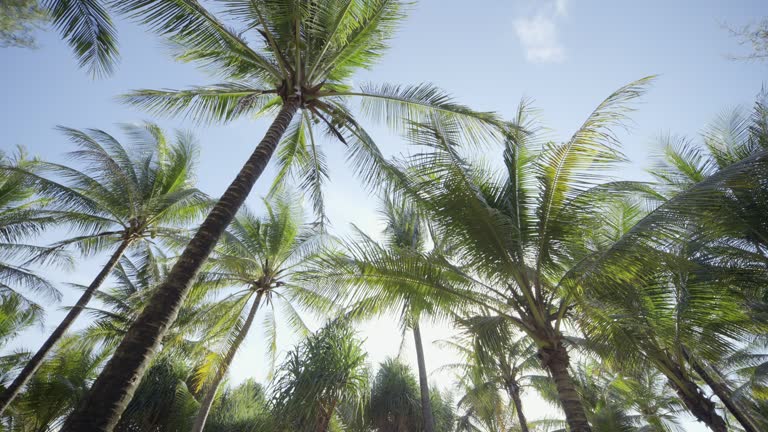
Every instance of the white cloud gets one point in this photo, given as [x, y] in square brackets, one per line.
[536, 27]
[561, 7]
[538, 37]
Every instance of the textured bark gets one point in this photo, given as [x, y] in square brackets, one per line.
[207, 402]
[513, 389]
[114, 388]
[426, 404]
[324, 422]
[554, 358]
[723, 393]
[36, 361]
[699, 405]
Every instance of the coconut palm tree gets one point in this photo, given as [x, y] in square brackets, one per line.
[55, 390]
[302, 58]
[406, 233]
[325, 371]
[647, 394]
[493, 355]
[258, 256]
[680, 277]
[123, 198]
[22, 215]
[513, 243]
[164, 400]
[481, 407]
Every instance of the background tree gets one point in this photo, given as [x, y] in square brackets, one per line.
[754, 36]
[406, 234]
[22, 217]
[395, 400]
[495, 360]
[61, 382]
[18, 19]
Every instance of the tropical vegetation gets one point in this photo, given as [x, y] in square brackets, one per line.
[623, 305]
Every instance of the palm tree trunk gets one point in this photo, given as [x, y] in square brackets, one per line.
[426, 404]
[693, 397]
[34, 363]
[113, 389]
[205, 405]
[721, 390]
[513, 389]
[554, 358]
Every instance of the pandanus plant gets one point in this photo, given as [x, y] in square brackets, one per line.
[323, 373]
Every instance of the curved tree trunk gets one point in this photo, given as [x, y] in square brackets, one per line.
[554, 358]
[721, 390]
[694, 399]
[113, 389]
[513, 389]
[426, 404]
[34, 363]
[207, 402]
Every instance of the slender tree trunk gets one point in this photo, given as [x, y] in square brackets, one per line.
[721, 390]
[513, 388]
[113, 389]
[34, 363]
[426, 404]
[554, 358]
[325, 421]
[699, 405]
[205, 405]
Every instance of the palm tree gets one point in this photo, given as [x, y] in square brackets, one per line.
[55, 390]
[681, 276]
[648, 395]
[498, 359]
[259, 257]
[21, 216]
[325, 371]
[513, 244]
[482, 408]
[120, 200]
[406, 233]
[163, 400]
[303, 61]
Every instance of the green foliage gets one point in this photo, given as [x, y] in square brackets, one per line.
[22, 217]
[325, 371]
[137, 194]
[58, 386]
[162, 402]
[307, 52]
[395, 400]
[18, 19]
[242, 408]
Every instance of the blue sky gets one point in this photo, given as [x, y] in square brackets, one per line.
[566, 55]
